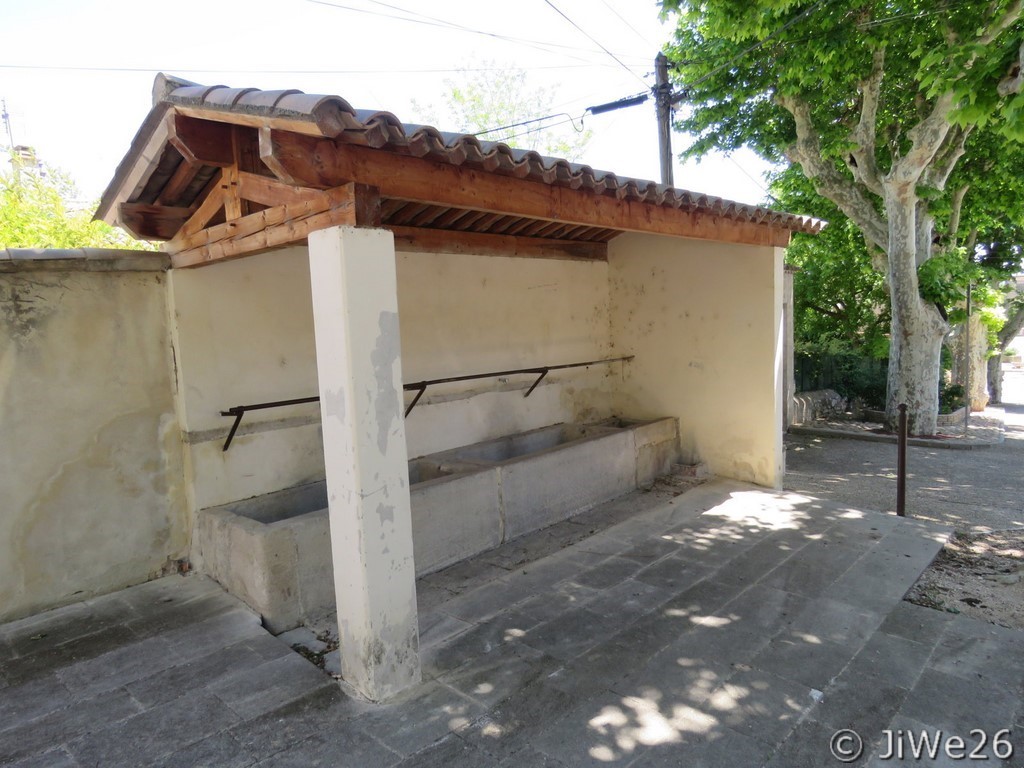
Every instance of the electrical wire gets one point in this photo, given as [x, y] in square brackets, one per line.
[595, 42]
[531, 121]
[619, 16]
[431, 22]
[183, 71]
[546, 127]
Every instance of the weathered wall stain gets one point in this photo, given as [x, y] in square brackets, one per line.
[92, 485]
[384, 356]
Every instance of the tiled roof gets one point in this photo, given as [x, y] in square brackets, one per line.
[333, 117]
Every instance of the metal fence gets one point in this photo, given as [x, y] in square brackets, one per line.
[846, 374]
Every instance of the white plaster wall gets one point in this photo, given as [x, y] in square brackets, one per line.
[464, 314]
[91, 490]
[705, 322]
[243, 333]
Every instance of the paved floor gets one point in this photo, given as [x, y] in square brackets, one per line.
[726, 626]
[976, 490]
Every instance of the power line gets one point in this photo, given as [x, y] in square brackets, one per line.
[624, 21]
[290, 71]
[529, 122]
[595, 42]
[545, 127]
[431, 22]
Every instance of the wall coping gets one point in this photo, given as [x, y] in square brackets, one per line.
[82, 259]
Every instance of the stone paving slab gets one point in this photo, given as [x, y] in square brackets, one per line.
[726, 626]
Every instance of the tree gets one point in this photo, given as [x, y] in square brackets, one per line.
[499, 97]
[35, 213]
[876, 101]
[840, 305]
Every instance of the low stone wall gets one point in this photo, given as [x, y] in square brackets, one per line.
[91, 491]
[817, 404]
[942, 420]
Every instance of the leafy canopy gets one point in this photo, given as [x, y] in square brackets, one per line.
[734, 57]
[36, 212]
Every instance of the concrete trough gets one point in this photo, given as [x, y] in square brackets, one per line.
[274, 551]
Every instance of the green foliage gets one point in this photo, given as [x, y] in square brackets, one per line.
[840, 302]
[734, 57]
[951, 397]
[850, 374]
[501, 96]
[891, 97]
[944, 278]
[35, 212]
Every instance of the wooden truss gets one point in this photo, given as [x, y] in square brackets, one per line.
[242, 189]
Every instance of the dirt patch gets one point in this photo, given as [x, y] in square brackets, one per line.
[980, 575]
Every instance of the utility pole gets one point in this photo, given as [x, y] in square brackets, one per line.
[663, 101]
[7, 123]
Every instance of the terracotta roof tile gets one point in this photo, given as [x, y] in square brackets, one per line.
[335, 118]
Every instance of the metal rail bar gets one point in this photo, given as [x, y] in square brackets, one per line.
[419, 388]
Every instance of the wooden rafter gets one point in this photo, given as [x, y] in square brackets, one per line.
[178, 183]
[415, 240]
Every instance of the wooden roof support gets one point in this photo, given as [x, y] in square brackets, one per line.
[324, 163]
[201, 142]
[350, 204]
[153, 222]
[413, 239]
[183, 176]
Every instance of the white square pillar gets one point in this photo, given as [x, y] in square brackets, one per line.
[355, 314]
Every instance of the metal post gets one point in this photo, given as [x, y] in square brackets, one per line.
[663, 101]
[901, 463]
[967, 364]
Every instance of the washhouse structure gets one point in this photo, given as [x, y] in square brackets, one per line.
[423, 345]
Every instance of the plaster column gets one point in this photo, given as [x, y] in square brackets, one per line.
[788, 354]
[355, 315]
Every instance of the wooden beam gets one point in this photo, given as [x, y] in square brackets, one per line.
[152, 222]
[212, 203]
[412, 239]
[233, 208]
[291, 157]
[324, 163]
[270, 192]
[178, 183]
[351, 204]
[202, 142]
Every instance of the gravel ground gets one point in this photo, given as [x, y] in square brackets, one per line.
[975, 490]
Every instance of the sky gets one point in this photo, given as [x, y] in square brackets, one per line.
[76, 75]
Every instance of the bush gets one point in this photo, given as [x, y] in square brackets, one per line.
[951, 397]
[852, 376]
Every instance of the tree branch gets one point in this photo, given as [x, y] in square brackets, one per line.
[824, 311]
[864, 166]
[1014, 79]
[1012, 326]
[926, 138]
[995, 29]
[948, 156]
[956, 204]
[829, 183]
